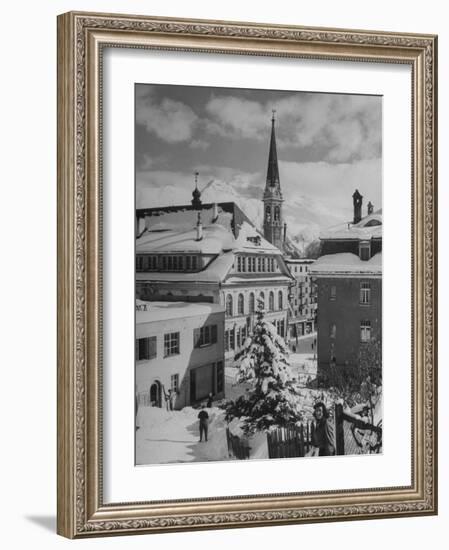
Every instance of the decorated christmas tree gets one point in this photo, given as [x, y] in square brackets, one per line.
[272, 400]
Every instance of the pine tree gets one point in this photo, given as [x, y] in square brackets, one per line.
[272, 400]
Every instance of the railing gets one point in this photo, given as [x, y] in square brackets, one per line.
[289, 442]
[354, 435]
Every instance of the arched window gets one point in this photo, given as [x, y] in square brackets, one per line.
[241, 305]
[261, 300]
[280, 300]
[229, 305]
[268, 213]
[251, 302]
[276, 213]
[271, 301]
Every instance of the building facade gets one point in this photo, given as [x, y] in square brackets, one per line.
[211, 253]
[179, 347]
[348, 276]
[302, 298]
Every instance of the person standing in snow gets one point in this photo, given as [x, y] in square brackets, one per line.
[204, 423]
[323, 435]
[209, 401]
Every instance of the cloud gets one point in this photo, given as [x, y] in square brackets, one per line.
[339, 127]
[199, 144]
[233, 116]
[171, 121]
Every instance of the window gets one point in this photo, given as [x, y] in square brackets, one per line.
[263, 264]
[232, 339]
[259, 264]
[364, 250]
[333, 293]
[262, 300]
[280, 300]
[171, 344]
[243, 263]
[227, 338]
[139, 263]
[276, 213]
[240, 305]
[204, 336]
[273, 265]
[238, 338]
[188, 263]
[271, 301]
[229, 305]
[194, 262]
[253, 261]
[239, 263]
[365, 293]
[174, 382]
[268, 213]
[365, 331]
[146, 348]
[251, 302]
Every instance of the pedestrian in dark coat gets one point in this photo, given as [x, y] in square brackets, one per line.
[323, 435]
[204, 423]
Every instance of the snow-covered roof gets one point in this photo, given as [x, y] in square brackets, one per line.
[347, 263]
[175, 231]
[369, 227]
[147, 312]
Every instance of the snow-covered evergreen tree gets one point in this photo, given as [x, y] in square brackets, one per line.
[272, 400]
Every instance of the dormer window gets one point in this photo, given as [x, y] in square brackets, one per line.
[365, 250]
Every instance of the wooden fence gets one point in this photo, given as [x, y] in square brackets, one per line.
[237, 447]
[289, 442]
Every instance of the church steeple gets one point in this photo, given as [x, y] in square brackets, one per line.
[273, 169]
[272, 197]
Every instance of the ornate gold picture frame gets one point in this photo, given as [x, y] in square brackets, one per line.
[82, 40]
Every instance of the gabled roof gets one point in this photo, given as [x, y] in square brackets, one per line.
[369, 227]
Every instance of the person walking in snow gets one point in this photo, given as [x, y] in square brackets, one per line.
[323, 435]
[204, 423]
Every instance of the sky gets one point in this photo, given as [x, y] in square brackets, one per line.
[328, 145]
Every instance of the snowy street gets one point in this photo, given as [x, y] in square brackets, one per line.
[173, 436]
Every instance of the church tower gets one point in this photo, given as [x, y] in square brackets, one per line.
[272, 197]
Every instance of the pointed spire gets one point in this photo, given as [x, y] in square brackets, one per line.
[273, 169]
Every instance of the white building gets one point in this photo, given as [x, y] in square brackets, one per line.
[303, 298]
[179, 346]
[212, 253]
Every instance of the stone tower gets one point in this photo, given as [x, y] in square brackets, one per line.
[272, 197]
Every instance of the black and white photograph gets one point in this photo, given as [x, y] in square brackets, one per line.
[258, 274]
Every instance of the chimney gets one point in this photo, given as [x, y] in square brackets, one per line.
[214, 212]
[370, 207]
[357, 201]
[285, 232]
[199, 228]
